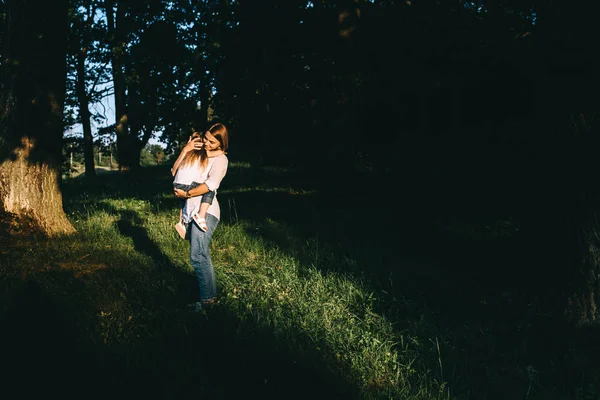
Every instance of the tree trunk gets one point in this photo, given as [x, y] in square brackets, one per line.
[583, 291]
[202, 119]
[84, 115]
[456, 88]
[565, 108]
[31, 103]
[121, 118]
[137, 116]
[583, 227]
[134, 146]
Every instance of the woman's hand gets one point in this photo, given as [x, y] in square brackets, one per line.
[180, 193]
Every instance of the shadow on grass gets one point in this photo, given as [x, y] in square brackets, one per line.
[479, 293]
[472, 292]
[185, 284]
[39, 348]
[114, 326]
[190, 354]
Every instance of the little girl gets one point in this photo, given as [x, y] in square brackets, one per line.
[184, 180]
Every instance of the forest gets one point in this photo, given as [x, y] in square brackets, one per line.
[473, 271]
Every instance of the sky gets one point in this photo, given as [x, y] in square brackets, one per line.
[106, 108]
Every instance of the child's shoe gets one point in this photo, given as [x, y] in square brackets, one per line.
[201, 222]
[180, 228]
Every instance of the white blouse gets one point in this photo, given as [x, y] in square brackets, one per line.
[212, 176]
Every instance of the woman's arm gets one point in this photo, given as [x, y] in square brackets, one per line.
[213, 180]
[197, 191]
[192, 144]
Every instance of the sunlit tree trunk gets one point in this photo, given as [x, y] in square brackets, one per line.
[31, 107]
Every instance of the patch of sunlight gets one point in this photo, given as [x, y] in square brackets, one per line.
[129, 204]
[287, 190]
[240, 164]
[79, 269]
[247, 165]
[325, 313]
[277, 169]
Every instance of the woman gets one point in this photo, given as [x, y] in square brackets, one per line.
[210, 171]
[184, 180]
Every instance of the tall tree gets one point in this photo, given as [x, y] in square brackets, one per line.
[84, 115]
[31, 105]
[82, 21]
[89, 75]
[117, 24]
[191, 85]
[148, 70]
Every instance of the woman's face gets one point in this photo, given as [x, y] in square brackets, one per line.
[211, 142]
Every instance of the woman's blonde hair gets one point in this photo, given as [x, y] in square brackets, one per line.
[219, 131]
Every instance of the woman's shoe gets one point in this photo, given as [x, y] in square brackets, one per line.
[195, 307]
[201, 307]
[208, 303]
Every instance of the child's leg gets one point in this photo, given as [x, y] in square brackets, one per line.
[179, 226]
[201, 220]
[207, 199]
[183, 187]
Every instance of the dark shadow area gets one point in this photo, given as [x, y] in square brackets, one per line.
[436, 249]
[50, 334]
[186, 283]
[144, 184]
[40, 348]
[455, 248]
[44, 354]
[444, 153]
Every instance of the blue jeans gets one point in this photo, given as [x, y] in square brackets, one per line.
[206, 197]
[200, 257]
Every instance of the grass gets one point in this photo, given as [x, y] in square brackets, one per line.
[284, 325]
[314, 301]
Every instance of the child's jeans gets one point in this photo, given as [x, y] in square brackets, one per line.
[206, 197]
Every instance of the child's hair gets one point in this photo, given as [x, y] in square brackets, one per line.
[219, 131]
